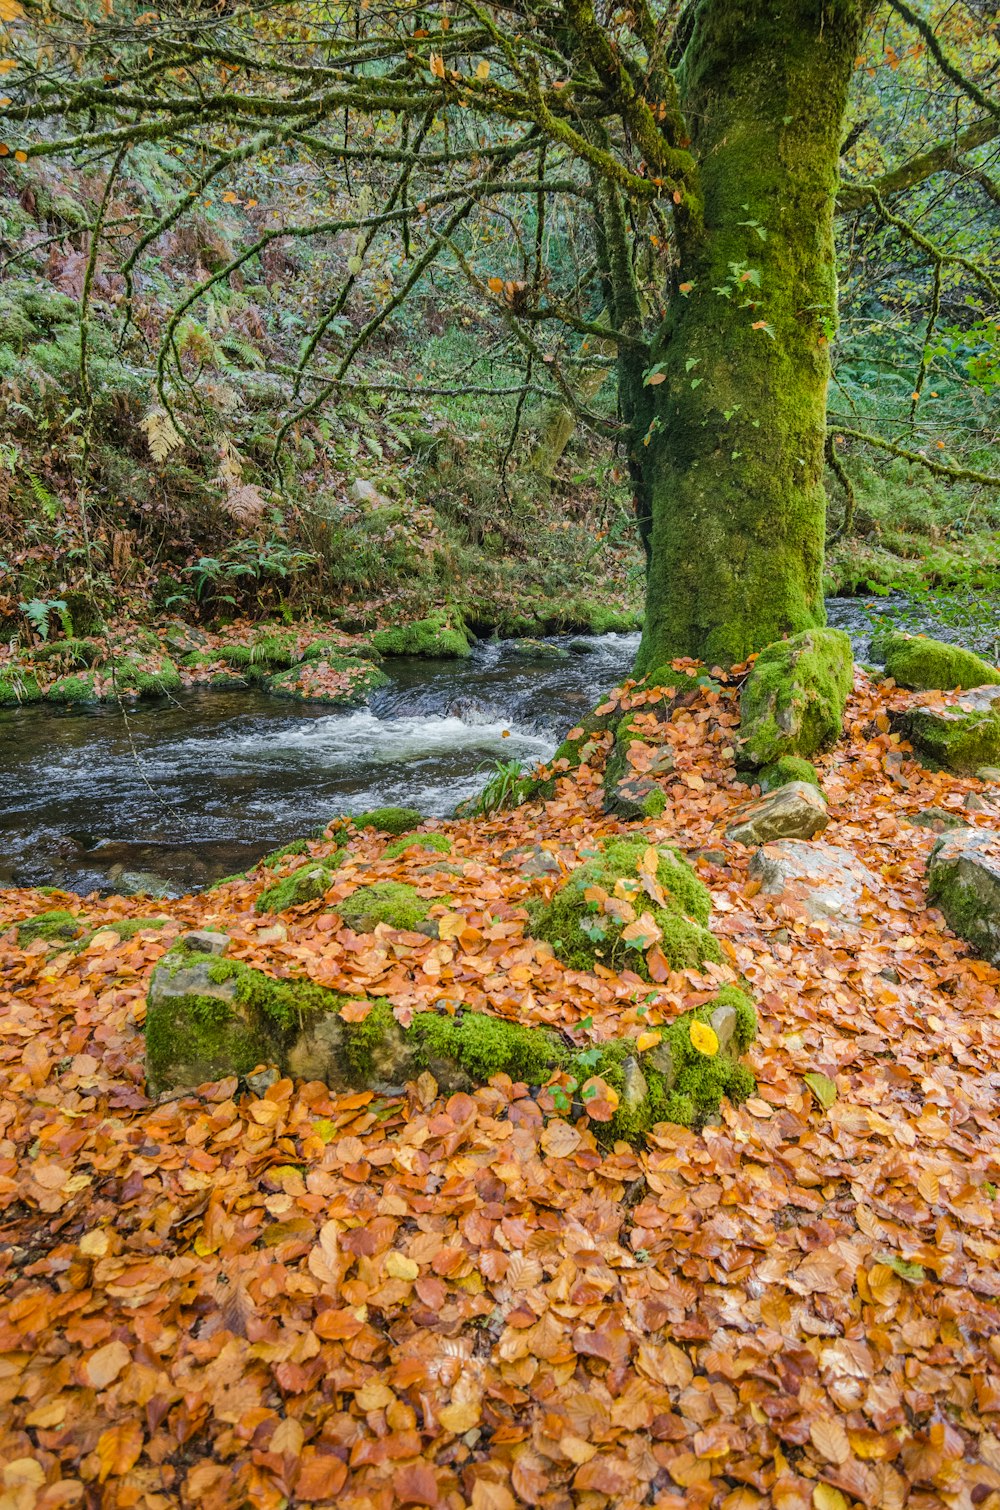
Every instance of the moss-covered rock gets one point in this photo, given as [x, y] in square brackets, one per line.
[57, 926]
[788, 768]
[961, 736]
[586, 930]
[964, 882]
[793, 700]
[392, 902]
[439, 843]
[923, 664]
[388, 820]
[208, 1017]
[341, 682]
[627, 792]
[69, 652]
[144, 676]
[441, 635]
[539, 650]
[76, 689]
[308, 883]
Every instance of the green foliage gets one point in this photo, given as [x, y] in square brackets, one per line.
[504, 788]
[307, 883]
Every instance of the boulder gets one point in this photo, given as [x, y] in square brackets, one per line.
[964, 883]
[826, 880]
[441, 635]
[209, 1016]
[914, 661]
[539, 650]
[961, 735]
[793, 700]
[938, 819]
[794, 811]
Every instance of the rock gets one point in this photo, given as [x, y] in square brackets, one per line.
[989, 773]
[827, 880]
[196, 1028]
[337, 680]
[307, 884]
[628, 793]
[962, 735]
[914, 661]
[936, 818]
[139, 883]
[206, 941]
[533, 860]
[366, 492]
[793, 700]
[976, 804]
[581, 647]
[964, 882]
[538, 650]
[794, 811]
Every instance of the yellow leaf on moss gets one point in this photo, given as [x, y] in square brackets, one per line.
[704, 1039]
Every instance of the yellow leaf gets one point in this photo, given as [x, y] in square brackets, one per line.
[6, 64]
[459, 1417]
[437, 65]
[398, 1266]
[825, 1497]
[650, 862]
[704, 1039]
[119, 1449]
[374, 1395]
[230, 198]
[20, 157]
[94, 1244]
[647, 1041]
[483, 69]
[10, 10]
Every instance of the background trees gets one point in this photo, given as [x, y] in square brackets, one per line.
[266, 223]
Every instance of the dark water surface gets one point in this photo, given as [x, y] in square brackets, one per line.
[197, 786]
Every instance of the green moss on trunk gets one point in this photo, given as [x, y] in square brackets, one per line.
[733, 458]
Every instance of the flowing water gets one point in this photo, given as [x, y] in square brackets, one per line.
[199, 785]
[194, 787]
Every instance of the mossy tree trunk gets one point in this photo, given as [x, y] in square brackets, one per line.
[733, 459]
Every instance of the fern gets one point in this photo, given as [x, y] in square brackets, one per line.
[162, 435]
[46, 501]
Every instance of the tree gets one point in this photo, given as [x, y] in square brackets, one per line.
[704, 141]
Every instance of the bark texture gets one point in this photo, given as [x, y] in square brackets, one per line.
[733, 456]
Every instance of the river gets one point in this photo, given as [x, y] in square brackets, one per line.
[199, 785]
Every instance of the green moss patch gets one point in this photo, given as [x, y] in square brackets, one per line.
[308, 883]
[924, 664]
[440, 635]
[56, 926]
[439, 843]
[793, 700]
[582, 933]
[388, 820]
[391, 902]
[787, 768]
[18, 687]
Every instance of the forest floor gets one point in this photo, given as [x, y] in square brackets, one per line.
[298, 1297]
